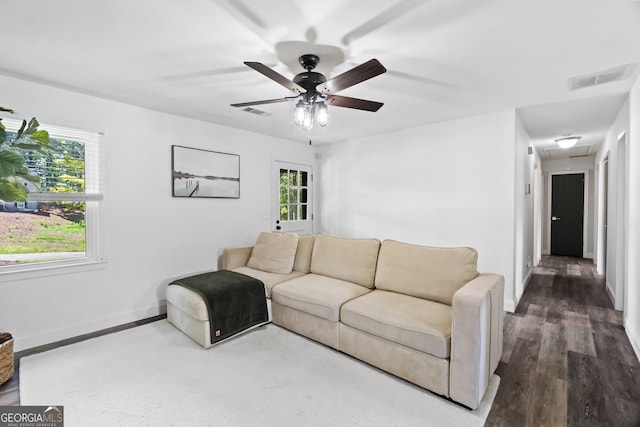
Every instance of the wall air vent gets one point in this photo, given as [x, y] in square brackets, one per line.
[256, 111]
[600, 77]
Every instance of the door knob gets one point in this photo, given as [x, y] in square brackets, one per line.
[555, 218]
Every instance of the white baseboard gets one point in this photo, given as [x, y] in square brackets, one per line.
[525, 283]
[48, 336]
[509, 305]
[634, 339]
[610, 294]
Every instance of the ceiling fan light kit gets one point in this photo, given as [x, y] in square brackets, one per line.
[567, 141]
[313, 91]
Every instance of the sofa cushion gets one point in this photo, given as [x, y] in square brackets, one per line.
[414, 322]
[274, 252]
[352, 260]
[302, 261]
[425, 272]
[318, 295]
[269, 279]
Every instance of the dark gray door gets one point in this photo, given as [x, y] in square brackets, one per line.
[567, 214]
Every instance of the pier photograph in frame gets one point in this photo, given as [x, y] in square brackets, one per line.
[203, 173]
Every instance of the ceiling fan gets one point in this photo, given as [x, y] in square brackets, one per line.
[313, 91]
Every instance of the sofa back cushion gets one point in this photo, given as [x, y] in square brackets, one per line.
[353, 260]
[425, 272]
[274, 252]
[302, 261]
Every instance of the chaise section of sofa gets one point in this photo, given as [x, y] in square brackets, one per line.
[275, 258]
[341, 270]
[432, 320]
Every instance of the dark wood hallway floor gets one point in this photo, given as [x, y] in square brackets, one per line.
[566, 360]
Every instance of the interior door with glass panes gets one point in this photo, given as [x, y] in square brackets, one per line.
[292, 204]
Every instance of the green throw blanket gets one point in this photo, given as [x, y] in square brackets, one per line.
[235, 301]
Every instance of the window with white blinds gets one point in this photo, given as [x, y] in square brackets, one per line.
[58, 223]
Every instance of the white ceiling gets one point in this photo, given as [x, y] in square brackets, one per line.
[446, 59]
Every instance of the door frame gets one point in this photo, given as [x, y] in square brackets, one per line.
[585, 222]
[622, 219]
[537, 214]
[603, 215]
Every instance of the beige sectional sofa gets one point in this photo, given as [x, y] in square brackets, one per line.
[424, 314]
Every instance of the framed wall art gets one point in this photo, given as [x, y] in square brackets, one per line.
[204, 173]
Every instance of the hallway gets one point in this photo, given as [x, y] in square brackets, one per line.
[566, 359]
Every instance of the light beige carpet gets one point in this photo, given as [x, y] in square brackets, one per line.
[154, 375]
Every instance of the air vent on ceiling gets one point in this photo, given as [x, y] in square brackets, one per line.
[600, 77]
[256, 111]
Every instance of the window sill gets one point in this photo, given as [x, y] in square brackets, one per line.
[48, 269]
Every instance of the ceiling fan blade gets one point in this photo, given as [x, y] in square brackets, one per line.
[276, 77]
[362, 72]
[383, 18]
[266, 101]
[355, 103]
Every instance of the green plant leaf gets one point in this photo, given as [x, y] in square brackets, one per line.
[28, 147]
[33, 126]
[26, 175]
[6, 110]
[21, 130]
[10, 162]
[12, 191]
[41, 136]
[13, 165]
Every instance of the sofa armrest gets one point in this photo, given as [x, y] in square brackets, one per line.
[236, 257]
[476, 337]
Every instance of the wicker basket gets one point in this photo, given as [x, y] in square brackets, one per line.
[6, 357]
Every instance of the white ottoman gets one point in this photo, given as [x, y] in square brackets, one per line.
[188, 312]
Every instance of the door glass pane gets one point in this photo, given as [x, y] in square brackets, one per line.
[293, 178]
[293, 195]
[303, 178]
[303, 195]
[284, 195]
[284, 213]
[284, 177]
[293, 213]
[303, 212]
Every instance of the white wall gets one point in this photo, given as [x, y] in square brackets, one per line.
[623, 240]
[446, 184]
[609, 149]
[150, 237]
[524, 194]
[572, 165]
[632, 312]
